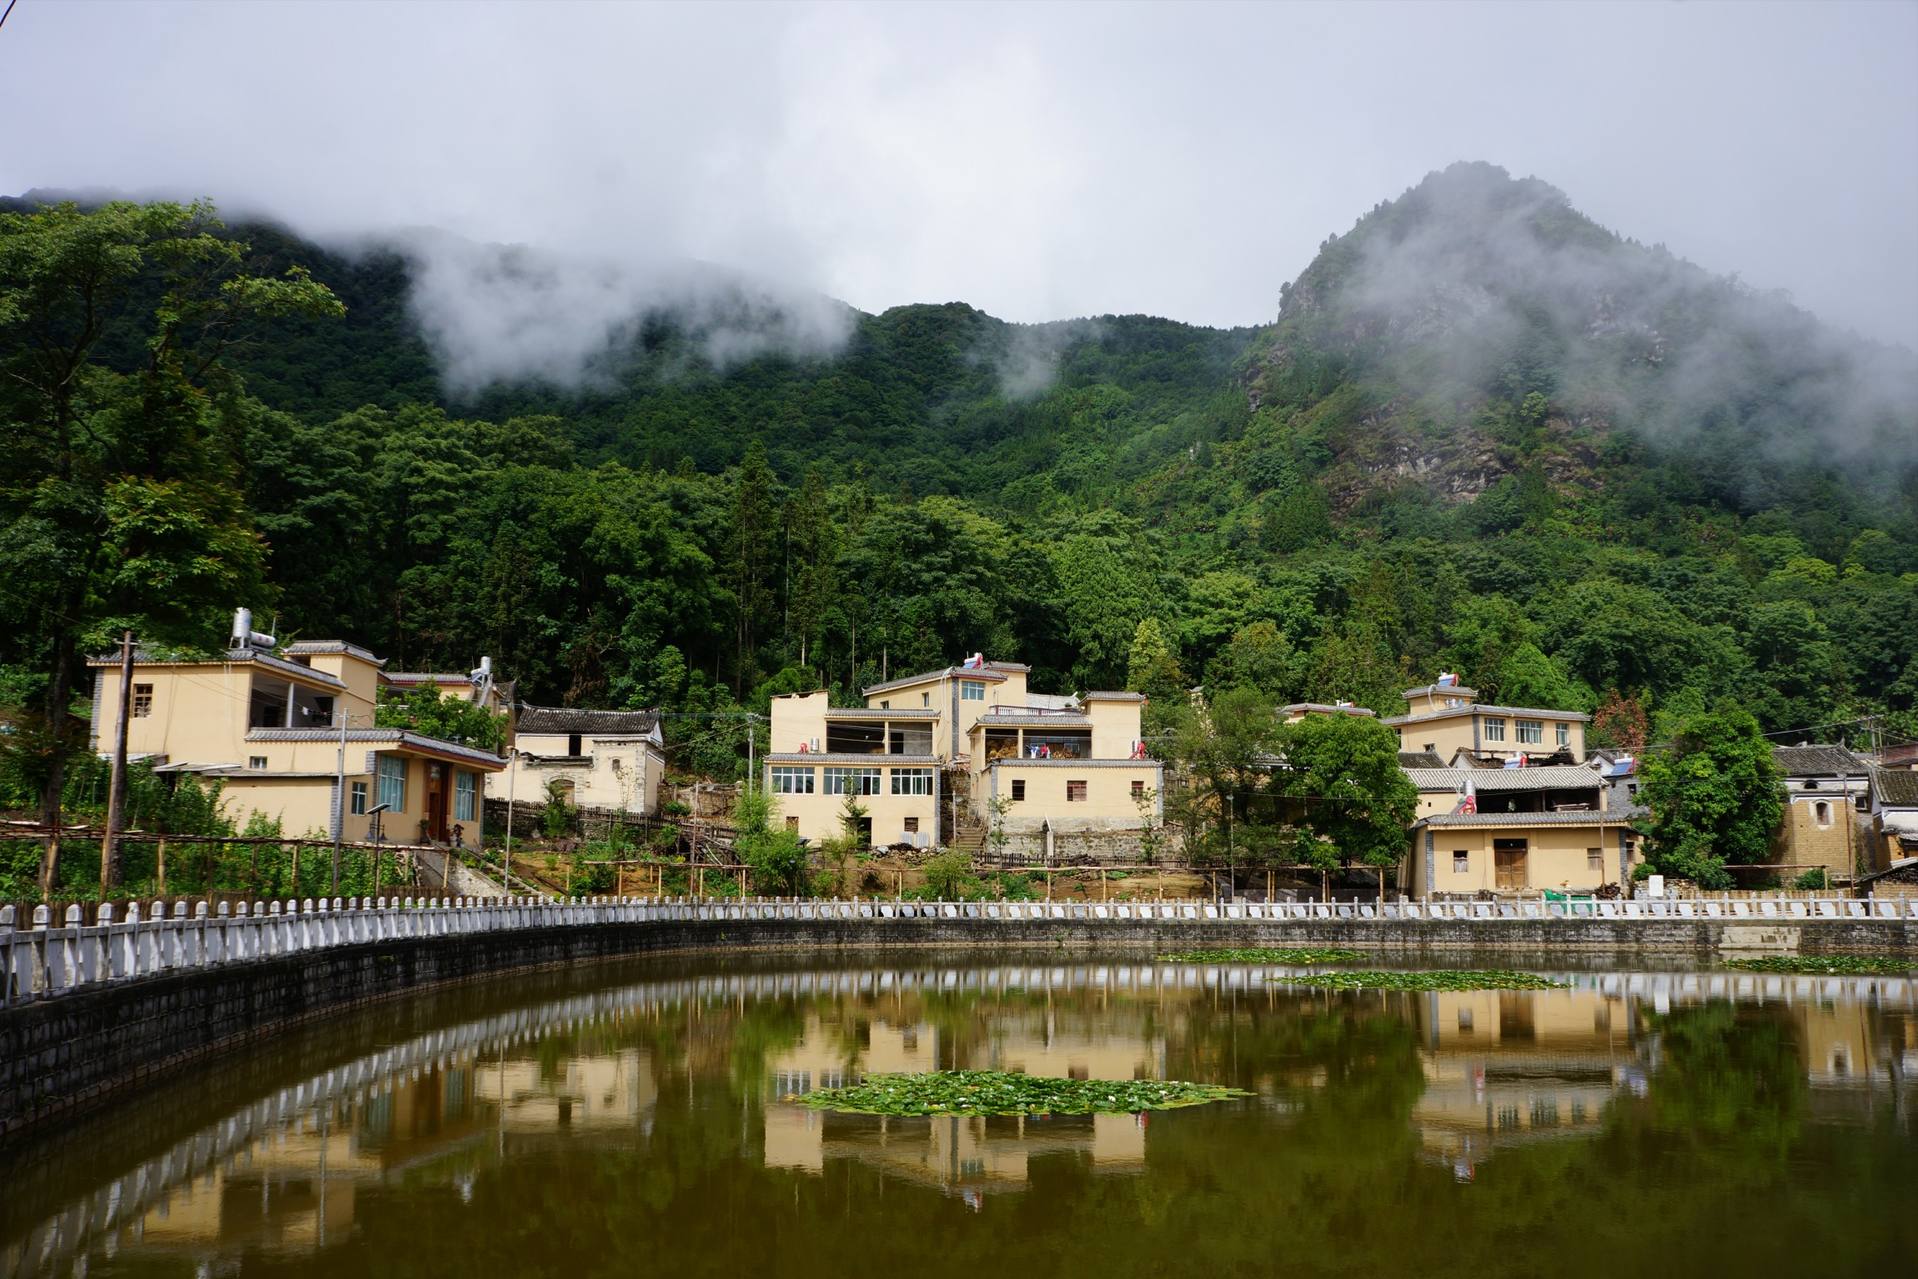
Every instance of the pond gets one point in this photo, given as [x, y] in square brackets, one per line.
[644, 1117]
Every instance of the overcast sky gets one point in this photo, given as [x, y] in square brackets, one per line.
[1039, 162]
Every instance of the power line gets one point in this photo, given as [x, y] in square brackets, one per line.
[8, 13]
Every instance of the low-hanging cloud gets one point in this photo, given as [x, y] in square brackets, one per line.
[509, 313]
[1473, 283]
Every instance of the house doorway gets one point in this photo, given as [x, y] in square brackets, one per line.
[436, 797]
[1508, 857]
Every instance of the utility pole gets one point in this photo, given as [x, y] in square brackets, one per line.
[339, 827]
[512, 776]
[117, 779]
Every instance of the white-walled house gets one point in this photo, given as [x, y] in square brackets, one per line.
[605, 759]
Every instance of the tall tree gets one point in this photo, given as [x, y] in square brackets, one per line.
[1715, 797]
[751, 554]
[1343, 774]
[119, 478]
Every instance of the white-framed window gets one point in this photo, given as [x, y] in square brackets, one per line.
[852, 781]
[465, 797]
[393, 782]
[790, 780]
[142, 700]
[1531, 732]
[1461, 861]
[358, 799]
[1564, 734]
[912, 781]
[256, 762]
[971, 690]
[1494, 728]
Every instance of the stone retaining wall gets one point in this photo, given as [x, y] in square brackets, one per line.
[66, 1054]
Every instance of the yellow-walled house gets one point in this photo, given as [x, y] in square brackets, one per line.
[1517, 830]
[288, 732]
[949, 743]
[599, 759]
[1446, 717]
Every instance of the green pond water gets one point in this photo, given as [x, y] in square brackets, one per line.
[640, 1118]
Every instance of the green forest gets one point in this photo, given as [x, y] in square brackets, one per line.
[1483, 435]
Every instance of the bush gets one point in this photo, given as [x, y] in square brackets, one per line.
[949, 876]
[1812, 880]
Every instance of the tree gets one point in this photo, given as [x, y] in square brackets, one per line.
[1619, 722]
[749, 561]
[1226, 749]
[773, 855]
[423, 709]
[119, 488]
[1714, 795]
[1152, 667]
[1343, 774]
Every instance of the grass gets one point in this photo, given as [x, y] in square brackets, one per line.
[992, 1092]
[1829, 965]
[1263, 955]
[1443, 979]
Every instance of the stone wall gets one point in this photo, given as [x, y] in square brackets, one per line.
[67, 1054]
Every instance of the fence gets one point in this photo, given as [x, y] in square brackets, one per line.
[44, 960]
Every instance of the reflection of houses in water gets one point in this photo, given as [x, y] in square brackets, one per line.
[1509, 1066]
[959, 1154]
[293, 1187]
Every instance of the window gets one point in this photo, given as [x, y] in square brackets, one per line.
[1432, 746]
[1494, 729]
[1461, 861]
[1075, 792]
[1018, 789]
[1464, 1021]
[912, 826]
[142, 700]
[1138, 788]
[464, 807]
[393, 782]
[792, 824]
[1564, 732]
[256, 762]
[573, 744]
[322, 711]
[1531, 732]
[912, 781]
[853, 781]
[1822, 812]
[971, 690]
[359, 799]
[885, 706]
[925, 699]
[792, 781]
[1595, 859]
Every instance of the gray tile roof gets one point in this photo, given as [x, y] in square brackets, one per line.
[1520, 712]
[881, 712]
[395, 736]
[1420, 759]
[1895, 786]
[1560, 777]
[873, 761]
[1818, 761]
[990, 671]
[535, 720]
[304, 647]
[1526, 819]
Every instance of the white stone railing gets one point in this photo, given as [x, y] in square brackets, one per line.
[43, 960]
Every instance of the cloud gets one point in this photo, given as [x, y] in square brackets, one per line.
[510, 313]
[1026, 362]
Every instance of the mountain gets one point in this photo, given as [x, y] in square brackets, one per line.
[1483, 433]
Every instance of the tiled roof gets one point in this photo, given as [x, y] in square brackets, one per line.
[426, 677]
[1449, 690]
[257, 657]
[1522, 712]
[1895, 786]
[881, 712]
[304, 647]
[1818, 761]
[1560, 777]
[1106, 696]
[1526, 819]
[1327, 708]
[1076, 763]
[394, 736]
[990, 671]
[1417, 759]
[534, 720]
[873, 761]
[1007, 719]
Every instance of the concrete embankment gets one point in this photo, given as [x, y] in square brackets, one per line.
[59, 1056]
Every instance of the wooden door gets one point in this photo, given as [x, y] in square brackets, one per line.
[436, 801]
[1508, 856]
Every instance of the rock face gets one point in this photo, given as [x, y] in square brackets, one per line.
[1480, 327]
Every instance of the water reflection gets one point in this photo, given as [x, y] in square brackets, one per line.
[674, 1089]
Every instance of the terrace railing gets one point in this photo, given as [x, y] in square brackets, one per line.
[45, 960]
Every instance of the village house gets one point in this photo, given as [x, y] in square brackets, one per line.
[593, 759]
[932, 756]
[1517, 830]
[1826, 819]
[288, 733]
[1894, 816]
[1445, 717]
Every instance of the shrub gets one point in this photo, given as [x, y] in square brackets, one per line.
[949, 876]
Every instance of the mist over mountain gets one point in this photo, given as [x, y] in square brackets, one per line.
[1482, 433]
